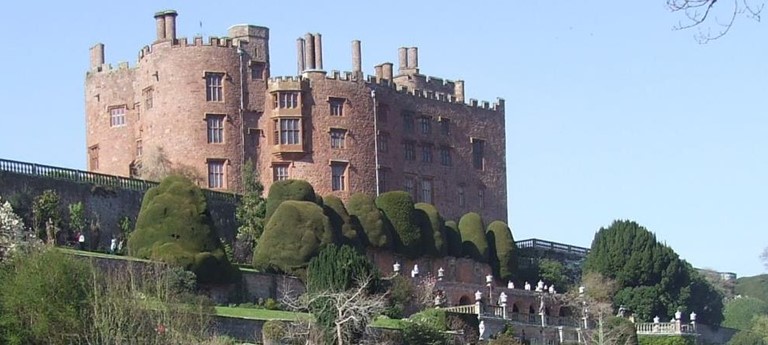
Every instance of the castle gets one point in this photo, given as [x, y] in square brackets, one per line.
[212, 105]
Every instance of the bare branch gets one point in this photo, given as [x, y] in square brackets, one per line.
[698, 12]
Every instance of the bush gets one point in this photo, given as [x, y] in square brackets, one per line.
[739, 312]
[746, 338]
[503, 246]
[432, 229]
[415, 333]
[43, 298]
[453, 239]
[45, 208]
[398, 209]
[271, 304]
[273, 330]
[434, 318]
[298, 190]
[473, 241]
[401, 296]
[346, 230]
[294, 234]
[363, 208]
[336, 269]
[173, 226]
[666, 340]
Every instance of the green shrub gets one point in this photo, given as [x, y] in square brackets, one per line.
[453, 239]
[666, 340]
[294, 234]
[363, 208]
[503, 246]
[346, 230]
[473, 241]
[298, 190]
[76, 216]
[43, 298]
[173, 226]
[433, 317]
[739, 313]
[746, 338]
[273, 330]
[398, 210]
[401, 295]
[432, 229]
[45, 208]
[337, 269]
[415, 333]
[271, 304]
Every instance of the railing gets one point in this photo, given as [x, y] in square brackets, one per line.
[464, 309]
[536, 243]
[81, 176]
[496, 311]
[665, 328]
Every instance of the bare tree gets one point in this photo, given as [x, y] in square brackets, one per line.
[594, 302]
[722, 13]
[354, 310]
[155, 166]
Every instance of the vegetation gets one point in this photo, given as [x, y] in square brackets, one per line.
[294, 234]
[756, 287]
[350, 230]
[432, 230]
[173, 226]
[503, 249]
[417, 333]
[336, 269]
[652, 280]
[666, 340]
[250, 213]
[473, 242]
[399, 209]
[77, 217]
[453, 239]
[12, 232]
[45, 213]
[740, 312]
[284, 190]
[747, 338]
[362, 208]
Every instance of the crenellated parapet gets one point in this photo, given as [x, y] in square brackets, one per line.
[447, 97]
[213, 41]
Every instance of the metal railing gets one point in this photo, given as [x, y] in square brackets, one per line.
[536, 243]
[81, 176]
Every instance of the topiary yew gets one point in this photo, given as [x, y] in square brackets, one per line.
[432, 229]
[453, 239]
[294, 234]
[173, 226]
[363, 208]
[503, 246]
[280, 191]
[473, 241]
[398, 209]
[348, 230]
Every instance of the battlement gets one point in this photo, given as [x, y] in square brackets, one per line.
[437, 95]
[343, 76]
[108, 68]
[213, 41]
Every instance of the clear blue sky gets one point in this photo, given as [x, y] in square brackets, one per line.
[610, 113]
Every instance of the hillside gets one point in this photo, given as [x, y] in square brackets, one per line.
[756, 286]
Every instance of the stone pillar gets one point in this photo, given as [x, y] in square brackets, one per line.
[300, 55]
[309, 51]
[386, 70]
[160, 25]
[97, 55]
[413, 58]
[357, 62]
[402, 55]
[170, 25]
[377, 72]
[318, 51]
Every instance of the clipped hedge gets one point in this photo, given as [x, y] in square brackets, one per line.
[398, 209]
[280, 191]
[503, 247]
[432, 230]
[347, 230]
[294, 234]
[173, 226]
[363, 208]
[453, 239]
[473, 241]
[665, 340]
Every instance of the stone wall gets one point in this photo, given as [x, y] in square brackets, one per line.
[103, 203]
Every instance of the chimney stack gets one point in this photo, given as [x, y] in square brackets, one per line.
[386, 70]
[318, 51]
[413, 58]
[300, 55]
[402, 54]
[378, 72]
[458, 91]
[97, 56]
[356, 58]
[309, 51]
[170, 25]
[160, 25]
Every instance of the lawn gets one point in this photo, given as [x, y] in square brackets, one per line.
[385, 322]
[259, 314]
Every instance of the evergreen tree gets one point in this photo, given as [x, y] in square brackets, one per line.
[252, 208]
[400, 213]
[473, 242]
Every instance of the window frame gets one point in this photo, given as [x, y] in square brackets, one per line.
[426, 153]
[426, 190]
[425, 125]
[214, 86]
[217, 177]
[478, 154]
[215, 135]
[336, 106]
[409, 150]
[282, 133]
[445, 156]
[339, 181]
[338, 138]
[118, 119]
[278, 169]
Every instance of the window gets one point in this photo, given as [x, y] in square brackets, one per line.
[408, 186]
[426, 191]
[408, 121]
[149, 98]
[93, 157]
[481, 197]
[215, 128]
[285, 100]
[280, 172]
[383, 142]
[462, 197]
[337, 138]
[139, 148]
[409, 148]
[445, 126]
[137, 106]
[382, 112]
[257, 70]
[338, 176]
[215, 174]
[425, 124]
[287, 132]
[426, 153]
[117, 117]
[337, 106]
[477, 153]
[213, 87]
[445, 156]
[382, 180]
